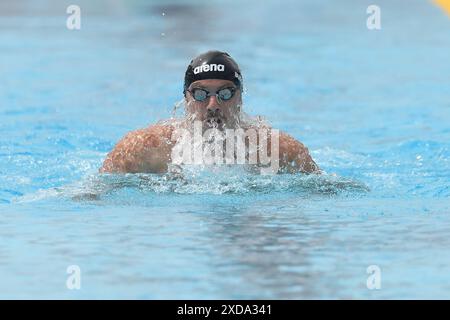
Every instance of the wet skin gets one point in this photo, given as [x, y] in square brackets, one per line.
[149, 150]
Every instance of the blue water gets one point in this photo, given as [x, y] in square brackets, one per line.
[372, 106]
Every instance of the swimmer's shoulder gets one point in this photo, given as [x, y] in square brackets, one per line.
[152, 136]
[295, 156]
[142, 150]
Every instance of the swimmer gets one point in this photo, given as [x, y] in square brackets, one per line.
[212, 96]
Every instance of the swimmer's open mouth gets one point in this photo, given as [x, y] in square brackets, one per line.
[214, 122]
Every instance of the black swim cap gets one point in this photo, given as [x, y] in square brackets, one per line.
[212, 65]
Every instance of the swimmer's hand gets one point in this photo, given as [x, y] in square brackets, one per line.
[146, 150]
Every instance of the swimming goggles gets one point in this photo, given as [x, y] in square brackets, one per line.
[223, 94]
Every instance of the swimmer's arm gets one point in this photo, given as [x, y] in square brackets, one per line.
[145, 150]
[294, 156]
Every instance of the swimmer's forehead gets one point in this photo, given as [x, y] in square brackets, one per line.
[212, 84]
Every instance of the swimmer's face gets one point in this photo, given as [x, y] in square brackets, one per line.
[213, 111]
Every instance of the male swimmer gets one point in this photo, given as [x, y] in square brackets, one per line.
[213, 97]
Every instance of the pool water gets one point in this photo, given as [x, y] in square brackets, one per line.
[372, 106]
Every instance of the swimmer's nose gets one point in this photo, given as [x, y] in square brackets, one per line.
[213, 105]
